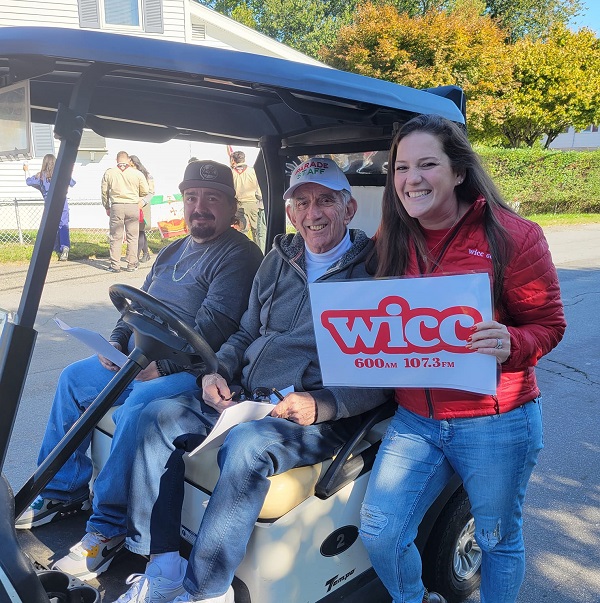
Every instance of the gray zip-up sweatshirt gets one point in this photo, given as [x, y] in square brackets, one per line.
[275, 345]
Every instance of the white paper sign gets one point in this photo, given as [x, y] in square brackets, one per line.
[95, 341]
[229, 418]
[403, 332]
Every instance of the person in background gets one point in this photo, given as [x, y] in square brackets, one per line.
[122, 188]
[443, 214]
[41, 181]
[144, 217]
[249, 198]
[205, 278]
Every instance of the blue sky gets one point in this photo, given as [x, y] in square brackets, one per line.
[590, 18]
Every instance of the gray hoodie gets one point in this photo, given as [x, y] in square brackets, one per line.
[275, 345]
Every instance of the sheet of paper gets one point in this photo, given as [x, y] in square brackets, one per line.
[95, 341]
[230, 417]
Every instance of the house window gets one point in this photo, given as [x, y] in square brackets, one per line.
[132, 15]
[591, 128]
[122, 12]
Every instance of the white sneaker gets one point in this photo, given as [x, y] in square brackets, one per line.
[152, 587]
[91, 556]
[45, 510]
[228, 597]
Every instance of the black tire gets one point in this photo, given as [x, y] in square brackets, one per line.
[452, 557]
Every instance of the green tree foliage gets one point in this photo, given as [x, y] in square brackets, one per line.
[305, 25]
[558, 86]
[533, 18]
[436, 49]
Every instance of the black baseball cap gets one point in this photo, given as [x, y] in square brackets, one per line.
[208, 174]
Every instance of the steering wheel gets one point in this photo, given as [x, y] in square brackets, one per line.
[170, 339]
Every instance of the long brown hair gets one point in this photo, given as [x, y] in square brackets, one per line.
[47, 170]
[397, 230]
[139, 166]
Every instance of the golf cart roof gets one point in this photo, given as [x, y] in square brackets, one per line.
[155, 90]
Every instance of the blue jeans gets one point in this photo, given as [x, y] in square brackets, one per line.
[250, 454]
[78, 386]
[493, 455]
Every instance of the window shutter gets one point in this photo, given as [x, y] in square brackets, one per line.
[89, 15]
[43, 139]
[153, 16]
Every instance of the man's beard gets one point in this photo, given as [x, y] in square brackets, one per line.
[205, 230]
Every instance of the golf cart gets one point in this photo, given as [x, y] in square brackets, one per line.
[305, 547]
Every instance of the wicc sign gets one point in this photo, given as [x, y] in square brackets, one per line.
[403, 332]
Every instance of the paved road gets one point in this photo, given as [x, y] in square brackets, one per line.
[562, 519]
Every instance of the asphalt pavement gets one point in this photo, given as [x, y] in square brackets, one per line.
[562, 515]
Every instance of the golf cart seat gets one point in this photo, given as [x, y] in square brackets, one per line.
[288, 489]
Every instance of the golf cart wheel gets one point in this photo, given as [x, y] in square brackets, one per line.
[452, 558]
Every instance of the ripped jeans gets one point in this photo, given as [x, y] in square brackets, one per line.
[494, 457]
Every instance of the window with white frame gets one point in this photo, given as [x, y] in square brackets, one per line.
[122, 12]
[127, 15]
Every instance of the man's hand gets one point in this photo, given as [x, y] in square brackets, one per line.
[106, 363]
[149, 373]
[216, 392]
[299, 407]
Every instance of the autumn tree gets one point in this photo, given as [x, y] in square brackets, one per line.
[519, 18]
[436, 49]
[558, 86]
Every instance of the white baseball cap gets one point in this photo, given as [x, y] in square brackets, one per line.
[320, 170]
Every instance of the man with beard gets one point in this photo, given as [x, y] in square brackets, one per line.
[205, 278]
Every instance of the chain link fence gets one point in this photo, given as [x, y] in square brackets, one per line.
[20, 220]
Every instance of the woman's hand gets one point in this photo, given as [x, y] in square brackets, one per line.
[490, 338]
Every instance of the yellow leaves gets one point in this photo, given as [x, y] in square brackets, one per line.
[523, 90]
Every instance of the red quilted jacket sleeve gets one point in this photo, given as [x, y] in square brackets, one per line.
[536, 320]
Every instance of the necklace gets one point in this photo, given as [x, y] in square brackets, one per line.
[183, 256]
[432, 250]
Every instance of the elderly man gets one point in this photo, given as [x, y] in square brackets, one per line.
[274, 347]
[206, 279]
[122, 188]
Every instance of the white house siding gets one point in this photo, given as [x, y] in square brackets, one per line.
[174, 21]
[576, 141]
[65, 13]
[57, 13]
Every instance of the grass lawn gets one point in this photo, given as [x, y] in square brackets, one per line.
[84, 246]
[90, 246]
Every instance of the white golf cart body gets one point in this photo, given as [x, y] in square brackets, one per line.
[305, 547]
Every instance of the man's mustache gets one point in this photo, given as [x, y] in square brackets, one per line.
[201, 216]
